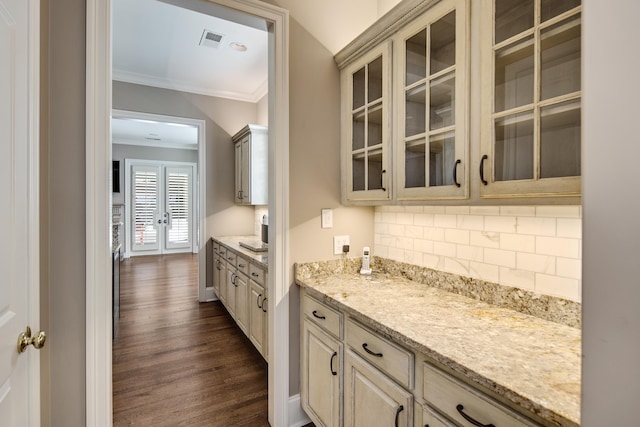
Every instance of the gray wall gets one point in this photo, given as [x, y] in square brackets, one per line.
[611, 254]
[121, 152]
[63, 248]
[314, 150]
[223, 118]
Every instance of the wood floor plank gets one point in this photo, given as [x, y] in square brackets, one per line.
[178, 362]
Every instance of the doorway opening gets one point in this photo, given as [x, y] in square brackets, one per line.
[98, 156]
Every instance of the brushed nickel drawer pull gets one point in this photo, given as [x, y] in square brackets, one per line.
[366, 348]
[470, 419]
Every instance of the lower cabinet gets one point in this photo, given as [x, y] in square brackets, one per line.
[258, 332]
[241, 285]
[321, 375]
[231, 290]
[371, 398]
[352, 376]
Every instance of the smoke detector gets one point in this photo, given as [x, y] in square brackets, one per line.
[211, 39]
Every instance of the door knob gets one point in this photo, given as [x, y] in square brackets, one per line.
[25, 339]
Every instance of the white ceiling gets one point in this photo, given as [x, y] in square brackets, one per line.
[153, 133]
[156, 43]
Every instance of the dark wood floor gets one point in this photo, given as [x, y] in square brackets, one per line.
[177, 362]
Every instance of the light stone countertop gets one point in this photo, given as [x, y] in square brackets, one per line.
[529, 362]
[233, 242]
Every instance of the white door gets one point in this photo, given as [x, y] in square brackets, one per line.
[19, 304]
[161, 200]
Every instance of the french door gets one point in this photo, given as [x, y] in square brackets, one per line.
[160, 207]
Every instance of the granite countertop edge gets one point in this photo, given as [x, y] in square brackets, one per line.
[547, 411]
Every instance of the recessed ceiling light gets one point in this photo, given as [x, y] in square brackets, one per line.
[238, 46]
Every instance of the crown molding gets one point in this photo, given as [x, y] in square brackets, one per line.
[164, 83]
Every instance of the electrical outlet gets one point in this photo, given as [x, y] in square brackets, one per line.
[338, 243]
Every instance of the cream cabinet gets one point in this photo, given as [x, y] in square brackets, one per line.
[321, 362]
[321, 372]
[352, 375]
[483, 103]
[257, 302]
[531, 94]
[241, 285]
[366, 126]
[242, 288]
[221, 268]
[217, 268]
[258, 317]
[251, 165]
[463, 404]
[372, 398]
[431, 101]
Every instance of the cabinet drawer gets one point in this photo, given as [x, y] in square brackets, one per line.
[216, 248]
[431, 418]
[230, 257]
[242, 264]
[322, 315]
[394, 360]
[257, 274]
[222, 251]
[453, 398]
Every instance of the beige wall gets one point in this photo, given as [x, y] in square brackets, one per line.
[314, 141]
[262, 116]
[223, 118]
[63, 247]
[45, 373]
[611, 295]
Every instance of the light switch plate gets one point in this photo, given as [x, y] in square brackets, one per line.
[338, 243]
[327, 218]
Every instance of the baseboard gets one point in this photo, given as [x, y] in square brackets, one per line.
[297, 417]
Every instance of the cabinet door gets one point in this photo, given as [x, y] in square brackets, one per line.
[257, 315]
[245, 170]
[366, 126]
[432, 104]
[321, 373]
[371, 398]
[531, 95]
[222, 292]
[238, 173]
[216, 274]
[231, 290]
[242, 302]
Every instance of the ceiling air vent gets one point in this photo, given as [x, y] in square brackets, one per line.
[211, 39]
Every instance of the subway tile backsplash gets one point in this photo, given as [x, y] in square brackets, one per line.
[537, 248]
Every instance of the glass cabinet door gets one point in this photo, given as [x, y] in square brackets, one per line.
[365, 140]
[531, 119]
[431, 96]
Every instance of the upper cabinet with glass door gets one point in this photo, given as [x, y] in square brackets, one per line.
[531, 96]
[431, 154]
[366, 124]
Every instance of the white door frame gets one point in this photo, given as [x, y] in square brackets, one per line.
[99, 411]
